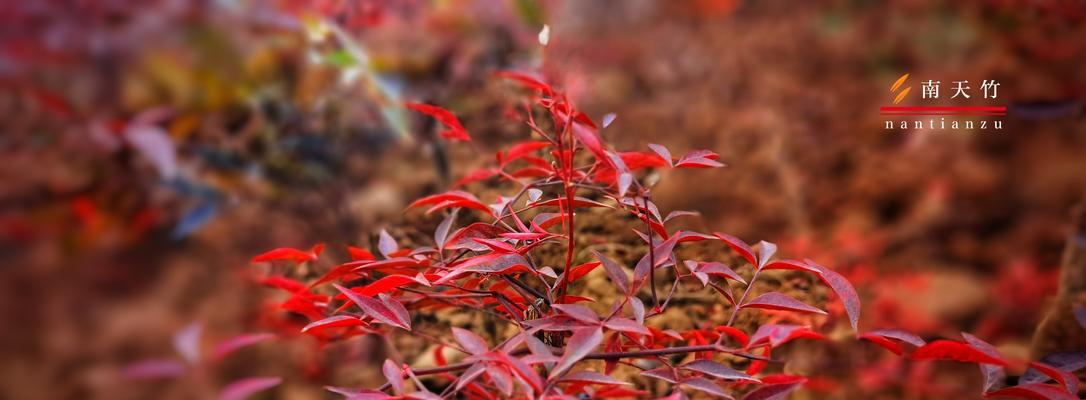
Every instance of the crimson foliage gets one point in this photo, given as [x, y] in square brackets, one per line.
[563, 348]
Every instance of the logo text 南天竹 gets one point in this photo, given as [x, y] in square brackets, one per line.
[935, 116]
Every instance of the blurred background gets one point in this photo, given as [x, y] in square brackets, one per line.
[150, 149]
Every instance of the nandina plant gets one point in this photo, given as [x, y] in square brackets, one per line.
[491, 262]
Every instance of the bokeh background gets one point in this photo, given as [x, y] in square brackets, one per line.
[151, 148]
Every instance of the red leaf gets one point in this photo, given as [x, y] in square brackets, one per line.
[527, 81]
[470, 341]
[378, 310]
[303, 304]
[717, 370]
[579, 345]
[619, 392]
[994, 375]
[591, 377]
[496, 245]
[387, 284]
[1067, 379]
[456, 131]
[615, 272]
[699, 159]
[663, 152]
[520, 150]
[588, 136]
[736, 334]
[393, 375]
[664, 249]
[882, 338]
[739, 246]
[237, 342]
[490, 263]
[578, 312]
[335, 321]
[439, 356]
[1069, 361]
[547, 220]
[775, 335]
[286, 284]
[943, 349]
[766, 250]
[579, 271]
[775, 391]
[887, 344]
[335, 273]
[1038, 391]
[475, 176]
[525, 236]
[844, 291]
[793, 265]
[706, 386]
[522, 370]
[460, 203]
[626, 325]
[777, 301]
[452, 198]
[714, 268]
[757, 366]
[636, 160]
[241, 389]
[464, 237]
[360, 254]
[897, 334]
[663, 373]
[290, 254]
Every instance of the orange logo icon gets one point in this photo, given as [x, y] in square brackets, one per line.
[897, 84]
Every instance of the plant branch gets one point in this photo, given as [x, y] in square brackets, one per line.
[743, 299]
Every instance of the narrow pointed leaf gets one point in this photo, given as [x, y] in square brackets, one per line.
[237, 342]
[766, 250]
[243, 388]
[663, 153]
[717, 370]
[706, 386]
[1069, 361]
[1066, 379]
[393, 375]
[775, 391]
[1039, 391]
[335, 321]
[844, 291]
[778, 301]
[615, 272]
[592, 377]
[471, 342]
[376, 309]
[626, 325]
[994, 375]
[943, 349]
[739, 246]
[578, 312]
[579, 345]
